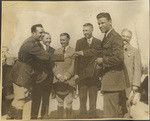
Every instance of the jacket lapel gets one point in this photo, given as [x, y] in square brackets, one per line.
[107, 38]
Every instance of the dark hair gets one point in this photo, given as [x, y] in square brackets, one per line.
[65, 34]
[104, 15]
[88, 24]
[33, 28]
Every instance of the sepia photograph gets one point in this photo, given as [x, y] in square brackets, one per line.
[75, 60]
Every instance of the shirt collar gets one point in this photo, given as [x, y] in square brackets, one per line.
[66, 47]
[108, 32]
[127, 47]
[90, 40]
[44, 46]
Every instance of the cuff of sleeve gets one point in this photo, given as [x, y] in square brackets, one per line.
[67, 76]
[58, 75]
[82, 53]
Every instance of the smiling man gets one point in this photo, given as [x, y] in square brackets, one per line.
[64, 82]
[23, 72]
[132, 61]
[114, 80]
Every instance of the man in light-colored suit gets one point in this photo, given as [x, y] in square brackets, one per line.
[64, 81]
[132, 61]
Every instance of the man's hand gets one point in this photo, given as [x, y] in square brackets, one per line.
[41, 77]
[64, 78]
[134, 97]
[135, 88]
[9, 97]
[99, 60]
[78, 53]
[76, 77]
[61, 78]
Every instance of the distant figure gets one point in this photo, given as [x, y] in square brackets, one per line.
[64, 82]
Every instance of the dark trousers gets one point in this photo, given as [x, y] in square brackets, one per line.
[114, 104]
[6, 105]
[90, 91]
[40, 93]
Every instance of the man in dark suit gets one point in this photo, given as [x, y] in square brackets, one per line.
[26, 69]
[87, 50]
[43, 84]
[114, 80]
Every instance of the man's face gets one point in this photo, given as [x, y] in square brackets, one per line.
[126, 36]
[104, 24]
[64, 41]
[46, 39]
[38, 33]
[87, 31]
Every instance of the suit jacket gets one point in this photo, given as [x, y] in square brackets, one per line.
[31, 56]
[114, 73]
[132, 61]
[44, 75]
[85, 65]
[65, 68]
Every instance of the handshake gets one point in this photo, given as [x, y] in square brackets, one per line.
[78, 53]
[62, 78]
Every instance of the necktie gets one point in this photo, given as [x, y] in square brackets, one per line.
[88, 40]
[104, 36]
[47, 48]
[64, 50]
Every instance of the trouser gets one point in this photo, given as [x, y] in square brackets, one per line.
[114, 104]
[67, 99]
[18, 103]
[40, 94]
[92, 93]
[6, 103]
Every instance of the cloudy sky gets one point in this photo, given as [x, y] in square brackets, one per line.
[58, 17]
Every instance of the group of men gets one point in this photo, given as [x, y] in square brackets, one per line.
[111, 65]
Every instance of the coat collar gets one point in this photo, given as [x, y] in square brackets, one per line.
[106, 39]
[66, 48]
[85, 41]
